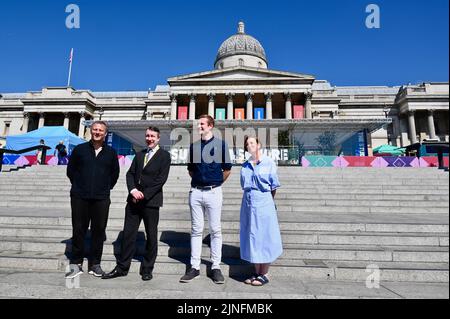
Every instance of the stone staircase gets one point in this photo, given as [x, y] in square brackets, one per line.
[335, 223]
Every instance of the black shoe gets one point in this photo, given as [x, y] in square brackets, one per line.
[117, 272]
[147, 277]
[217, 277]
[96, 270]
[190, 275]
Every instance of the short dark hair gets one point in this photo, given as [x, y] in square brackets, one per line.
[246, 140]
[209, 118]
[154, 129]
[101, 123]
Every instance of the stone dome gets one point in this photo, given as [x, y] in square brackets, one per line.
[242, 45]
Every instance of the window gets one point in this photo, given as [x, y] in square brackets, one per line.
[241, 62]
[259, 65]
[221, 65]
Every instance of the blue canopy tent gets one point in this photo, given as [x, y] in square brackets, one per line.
[51, 135]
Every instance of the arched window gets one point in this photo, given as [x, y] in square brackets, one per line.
[241, 62]
[259, 65]
[221, 65]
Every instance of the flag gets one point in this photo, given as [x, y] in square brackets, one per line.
[71, 55]
[70, 66]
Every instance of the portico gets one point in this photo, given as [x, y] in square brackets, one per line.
[241, 93]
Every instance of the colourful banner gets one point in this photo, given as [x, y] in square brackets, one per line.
[258, 113]
[220, 114]
[299, 111]
[239, 114]
[182, 113]
[371, 161]
[307, 161]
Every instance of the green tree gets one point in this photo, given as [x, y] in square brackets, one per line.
[327, 142]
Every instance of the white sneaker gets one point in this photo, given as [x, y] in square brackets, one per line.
[75, 270]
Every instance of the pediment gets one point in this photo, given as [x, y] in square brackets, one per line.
[240, 73]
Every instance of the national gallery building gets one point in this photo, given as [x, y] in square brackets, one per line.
[242, 92]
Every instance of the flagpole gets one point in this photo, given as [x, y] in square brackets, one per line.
[70, 67]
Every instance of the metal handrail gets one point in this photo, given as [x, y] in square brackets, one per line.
[25, 150]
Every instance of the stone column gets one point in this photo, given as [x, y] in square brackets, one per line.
[41, 119]
[403, 132]
[288, 105]
[211, 105]
[269, 105]
[66, 120]
[26, 121]
[173, 106]
[192, 107]
[397, 130]
[230, 106]
[308, 107]
[249, 106]
[81, 128]
[431, 128]
[412, 127]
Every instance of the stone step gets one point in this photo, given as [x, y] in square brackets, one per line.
[289, 217]
[282, 204]
[51, 285]
[168, 221]
[292, 179]
[20, 284]
[393, 190]
[282, 170]
[232, 183]
[335, 270]
[236, 208]
[232, 235]
[184, 176]
[183, 168]
[293, 171]
[183, 197]
[175, 249]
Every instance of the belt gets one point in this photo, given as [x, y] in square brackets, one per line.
[206, 188]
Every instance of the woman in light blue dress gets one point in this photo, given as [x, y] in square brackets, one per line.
[260, 237]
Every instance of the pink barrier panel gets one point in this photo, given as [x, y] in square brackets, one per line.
[21, 161]
[52, 160]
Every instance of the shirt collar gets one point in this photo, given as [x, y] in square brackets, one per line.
[92, 144]
[154, 150]
[262, 158]
[207, 141]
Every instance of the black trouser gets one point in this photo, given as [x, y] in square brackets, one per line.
[134, 213]
[95, 212]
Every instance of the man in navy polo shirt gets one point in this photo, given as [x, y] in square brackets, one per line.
[209, 166]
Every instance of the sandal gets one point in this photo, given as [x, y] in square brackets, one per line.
[251, 279]
[260, 281]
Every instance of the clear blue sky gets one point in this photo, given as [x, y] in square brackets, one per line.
[135, 45]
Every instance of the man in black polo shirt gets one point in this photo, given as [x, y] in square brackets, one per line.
[93, 170]
[209, 166]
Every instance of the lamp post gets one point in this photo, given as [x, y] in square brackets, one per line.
[386, 111]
